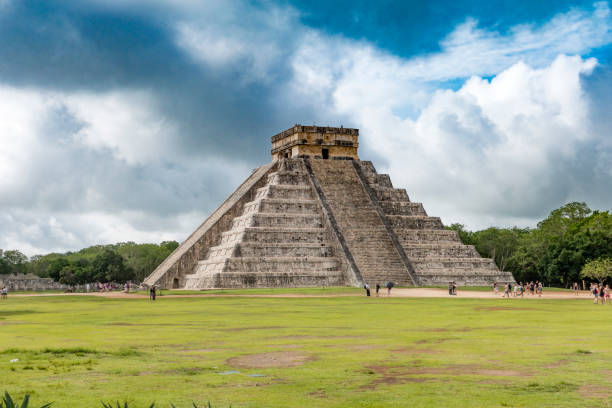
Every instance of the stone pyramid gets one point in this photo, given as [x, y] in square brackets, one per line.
[319, 216]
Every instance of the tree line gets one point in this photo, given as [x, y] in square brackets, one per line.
[571, 243]
[122, 262]
[556, 251]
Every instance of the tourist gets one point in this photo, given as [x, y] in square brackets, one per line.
[389, 285]
[522, 286]
[505, 291]
[531, 288]
[602, 295]
[127, 287]
[450, 288]
[377, 289]
[607, 294]
[540, 289]
[454, 288]
[367, 289]
[152, 293]
[575, 288]
[4, 292]
[495, 288]
[515, 289]
[594, 292]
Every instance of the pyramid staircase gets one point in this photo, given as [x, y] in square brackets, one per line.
[437, 255]
[279, 240]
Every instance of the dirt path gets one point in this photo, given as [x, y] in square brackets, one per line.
[395, 293]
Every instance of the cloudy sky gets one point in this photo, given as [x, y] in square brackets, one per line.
[129, 120]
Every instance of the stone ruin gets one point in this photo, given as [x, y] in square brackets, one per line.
[27, 282]
[319, 216]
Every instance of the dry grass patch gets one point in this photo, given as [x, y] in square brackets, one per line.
[277, 359]
[595, 391]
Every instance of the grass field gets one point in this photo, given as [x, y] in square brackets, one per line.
[307, 352]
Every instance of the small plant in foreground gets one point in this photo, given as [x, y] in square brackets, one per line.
[7, 402]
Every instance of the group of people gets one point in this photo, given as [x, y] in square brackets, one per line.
[388, 285]
[600, 293]
[452, 288]
[532, 288]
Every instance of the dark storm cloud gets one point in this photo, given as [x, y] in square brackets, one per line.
[69, 47]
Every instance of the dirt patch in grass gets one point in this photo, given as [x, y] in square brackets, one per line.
[319, 394]
[445, 330]
[239, 329]
[268, 360]
[502, 308]
[306, 336]
[559, 363]
[595, 391]
[391, 375]
[414, 350]
[437, 341]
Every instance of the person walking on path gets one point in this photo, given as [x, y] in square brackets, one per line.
[389, 285]
[454, 288]
[450, 288]
[594, 292]
[4, 293]
[495, 288]
[602, 294]
[540, 289]
[367, 288]
[152, 293]
[607, 294]
[377, 289]
[575, 288]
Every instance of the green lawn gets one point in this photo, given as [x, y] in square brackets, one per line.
[307, 352]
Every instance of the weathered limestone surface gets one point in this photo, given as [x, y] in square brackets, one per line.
[366, 235]
[437, 255]
[317, 216]
[280, 239]
[171, 272]
[30, 282]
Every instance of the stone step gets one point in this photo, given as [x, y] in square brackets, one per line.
[390, 207]
[278, 205]
[311, 220]
[274, 235]
[427, 264]
[281, 264]
[288, 177]
[285, 191]
[403, 222]
[444, 250]
[389, 193]
[250, 279]
[427, 236]
[380, 180]
[282, 249]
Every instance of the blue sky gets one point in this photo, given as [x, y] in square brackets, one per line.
[132, 120]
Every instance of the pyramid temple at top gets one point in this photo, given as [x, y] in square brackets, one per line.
[319, 216]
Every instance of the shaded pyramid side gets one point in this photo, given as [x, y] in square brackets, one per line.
[437, 255]
[279, 240]
[368, 239]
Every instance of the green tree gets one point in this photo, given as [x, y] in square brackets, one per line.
[56, 266]
[16, 261]
[109, 266]
[599, 269]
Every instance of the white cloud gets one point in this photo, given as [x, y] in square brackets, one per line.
[249, 40]
[499, 152]
[79, 169]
